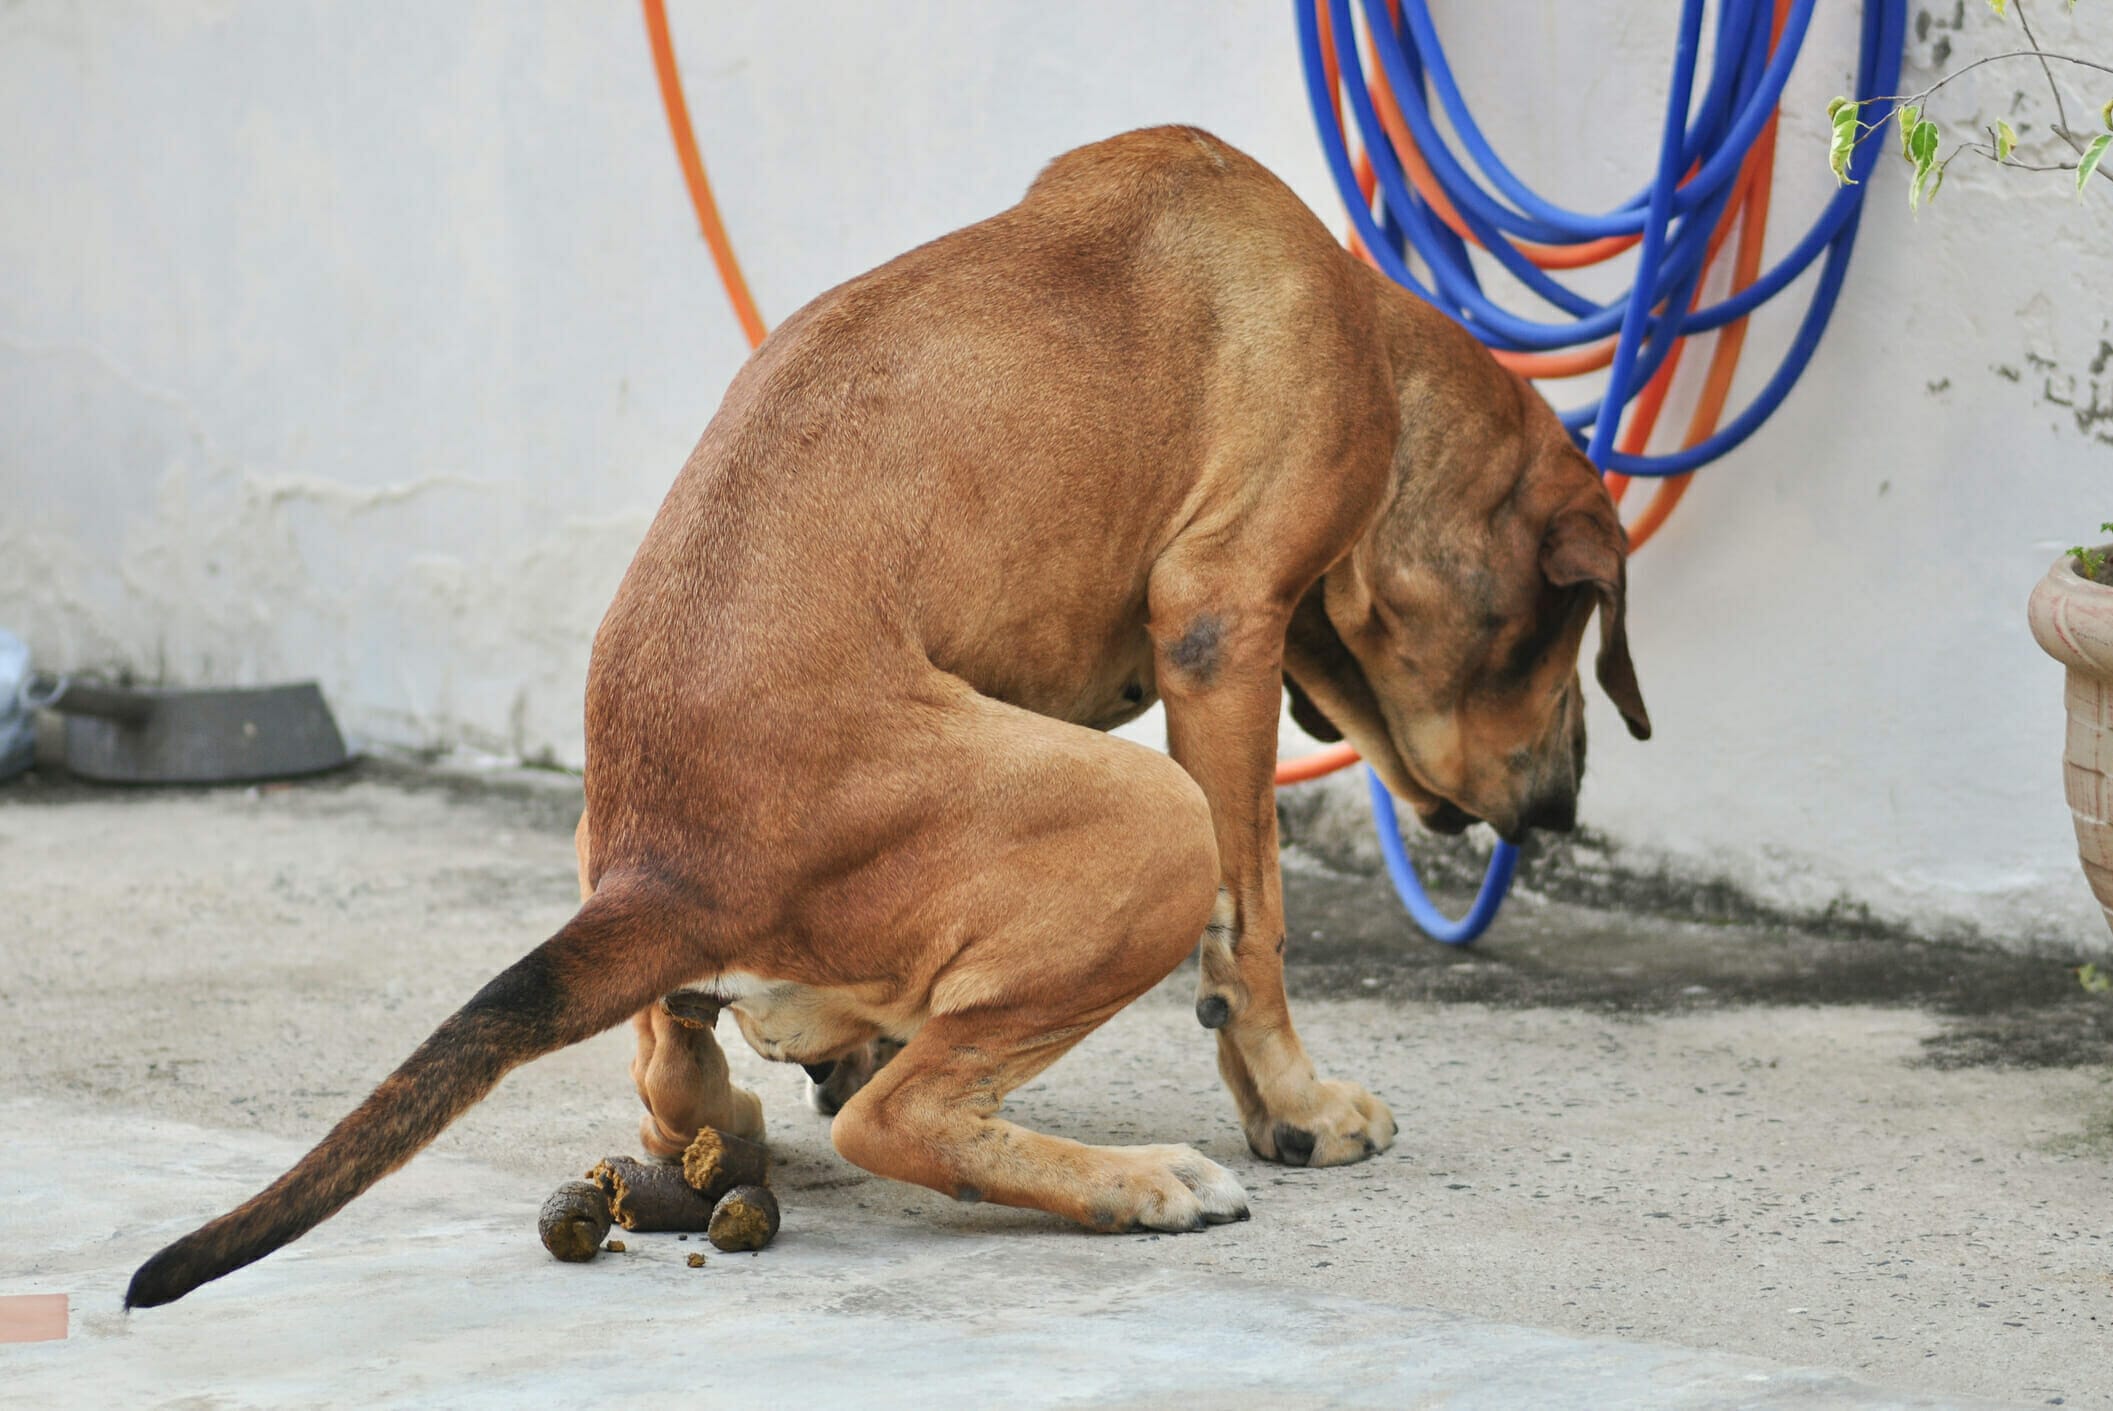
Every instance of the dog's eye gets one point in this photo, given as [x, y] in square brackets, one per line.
[1531, 651]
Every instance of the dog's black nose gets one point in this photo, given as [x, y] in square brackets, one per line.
[1555, 812]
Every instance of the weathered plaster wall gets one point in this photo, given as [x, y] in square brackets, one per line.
[362, 341]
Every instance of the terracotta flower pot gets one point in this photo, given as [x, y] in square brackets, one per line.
[2072, 617]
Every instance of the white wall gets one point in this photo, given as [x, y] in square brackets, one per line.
[361, 341]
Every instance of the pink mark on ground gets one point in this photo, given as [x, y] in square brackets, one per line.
[32, 1317]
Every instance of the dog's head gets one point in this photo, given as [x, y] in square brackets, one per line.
[1445, 646]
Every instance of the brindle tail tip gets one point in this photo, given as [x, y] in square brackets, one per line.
[171, 1274]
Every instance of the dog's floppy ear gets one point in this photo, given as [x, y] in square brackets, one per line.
[1585, 545]
[1308, 715]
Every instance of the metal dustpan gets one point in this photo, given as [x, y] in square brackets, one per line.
[131, 735]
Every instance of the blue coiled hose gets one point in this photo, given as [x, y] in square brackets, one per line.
[1673, 218]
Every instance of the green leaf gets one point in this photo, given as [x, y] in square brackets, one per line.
[2092, 156]
[1997, 5]
[1909, 116]
[1922, 151]
[1834, 107]
[2006, 141]
[1844, 145]
[2093, 979]
[2105, 114]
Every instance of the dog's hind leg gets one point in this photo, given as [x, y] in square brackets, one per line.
[1074, 872]
[679, 1069]
[682, 1079]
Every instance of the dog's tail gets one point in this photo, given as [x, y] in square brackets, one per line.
[614, 957]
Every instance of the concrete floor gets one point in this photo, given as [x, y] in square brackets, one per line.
[1641, 1164]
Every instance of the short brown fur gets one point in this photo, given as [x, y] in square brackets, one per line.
[1149, 433]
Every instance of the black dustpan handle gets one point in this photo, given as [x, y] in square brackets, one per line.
[43, 690]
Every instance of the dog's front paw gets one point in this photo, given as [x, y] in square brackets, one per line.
[1171, 1188]
[1329, 1124]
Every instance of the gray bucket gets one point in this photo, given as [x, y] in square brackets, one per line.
[18, 725]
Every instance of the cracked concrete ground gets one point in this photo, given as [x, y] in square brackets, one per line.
[1641, 1163]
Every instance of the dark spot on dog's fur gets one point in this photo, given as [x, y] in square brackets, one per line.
[968, 1195]
[1133, 693]
[820, 1071]
[1196, 653]
[1294, 1144]
[1212, 1011]
[1280, 945]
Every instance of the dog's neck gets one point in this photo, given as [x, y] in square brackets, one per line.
[1464, 424]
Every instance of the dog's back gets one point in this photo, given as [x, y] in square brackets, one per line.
[849, 519]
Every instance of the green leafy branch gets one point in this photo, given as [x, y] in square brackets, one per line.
[1920, 141]
[2095, 564]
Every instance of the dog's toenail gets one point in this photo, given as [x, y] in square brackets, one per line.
[1294, 1144]
[967, 1195]
[1212, 1011]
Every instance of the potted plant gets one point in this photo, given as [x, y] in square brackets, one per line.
[2072, 616]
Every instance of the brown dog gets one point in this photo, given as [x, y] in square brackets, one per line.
[1148, 433]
